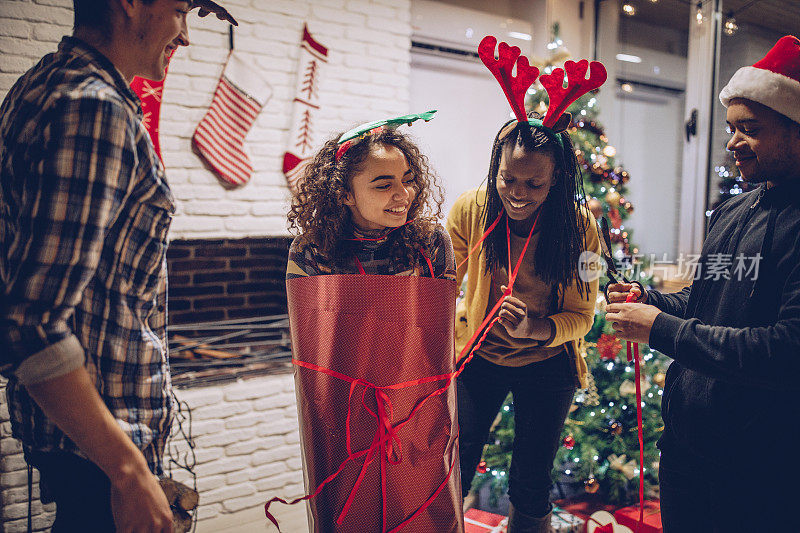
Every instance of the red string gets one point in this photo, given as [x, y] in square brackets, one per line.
[634, 347]
[386, 434]
[485, 234]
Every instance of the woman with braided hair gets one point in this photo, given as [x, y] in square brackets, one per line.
[533, 351]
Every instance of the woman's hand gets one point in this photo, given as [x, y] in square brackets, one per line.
[514, 317]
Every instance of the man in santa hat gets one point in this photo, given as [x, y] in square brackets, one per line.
[84, 214]
[730, 403]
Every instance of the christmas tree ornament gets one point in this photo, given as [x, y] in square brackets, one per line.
[621, 464]
[608, 346]
[306, 104]
[660, 379]
[242, 91]
[569, 442]
[591, 485]
[601, 303]
[592, 396]
[628, 387]
[595, 207]
[616, 222]
[615, 428]
[482, 468]
[612, 197]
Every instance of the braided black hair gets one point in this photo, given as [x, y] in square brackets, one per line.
[563, 232]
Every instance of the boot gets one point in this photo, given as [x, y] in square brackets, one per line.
[523, 523]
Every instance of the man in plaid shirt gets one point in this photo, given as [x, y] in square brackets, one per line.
[84, 214]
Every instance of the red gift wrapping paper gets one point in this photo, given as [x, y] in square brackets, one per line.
[629, 516]
[374, 360]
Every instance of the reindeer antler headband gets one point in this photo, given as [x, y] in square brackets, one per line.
[515, 86]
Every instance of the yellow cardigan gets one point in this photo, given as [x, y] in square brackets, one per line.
[572, 321]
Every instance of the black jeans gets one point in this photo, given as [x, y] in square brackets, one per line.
[756, 493]
[542, 394]
[81, 490]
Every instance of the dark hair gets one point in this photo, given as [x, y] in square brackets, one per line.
[95, 14]
[563, 232]
[318, 211]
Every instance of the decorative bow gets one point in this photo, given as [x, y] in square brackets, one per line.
[618, 463]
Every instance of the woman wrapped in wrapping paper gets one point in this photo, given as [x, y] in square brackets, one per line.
[528, 205]
[371, 308]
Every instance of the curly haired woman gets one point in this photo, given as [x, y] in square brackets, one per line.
[372, 209]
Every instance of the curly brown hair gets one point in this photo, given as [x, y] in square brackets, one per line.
[319, 214]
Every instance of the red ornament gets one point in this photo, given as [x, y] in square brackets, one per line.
[482, 468]
[616, 219]
[569, 442]
[608, 346]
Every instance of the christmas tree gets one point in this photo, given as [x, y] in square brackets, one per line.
[600, 447]
[730, 182]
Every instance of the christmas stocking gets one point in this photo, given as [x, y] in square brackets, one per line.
[219, 138]
[313, 57]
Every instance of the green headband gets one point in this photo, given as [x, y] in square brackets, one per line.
[347, 138]
[552, 135]
[391, 122]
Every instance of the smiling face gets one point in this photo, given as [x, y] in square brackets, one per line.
[382, 191]
[764, 143]
[524, 179]
[159, 28]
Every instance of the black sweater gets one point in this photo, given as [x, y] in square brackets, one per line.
[733, 387]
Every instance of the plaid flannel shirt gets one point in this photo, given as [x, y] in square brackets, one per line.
[84, 214]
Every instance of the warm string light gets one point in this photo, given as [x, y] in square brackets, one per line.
[698, 14]
[730, 26]
[629, 9]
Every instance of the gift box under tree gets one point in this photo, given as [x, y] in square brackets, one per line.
[629, 516]
[477, 521]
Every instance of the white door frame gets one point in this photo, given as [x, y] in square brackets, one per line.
[703, 64]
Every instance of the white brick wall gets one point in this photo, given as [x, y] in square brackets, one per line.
[247, 445]
[247, 438]
[367, 77]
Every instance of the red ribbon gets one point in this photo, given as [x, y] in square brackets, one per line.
[602, 528]
[634, 347]
[386, 444]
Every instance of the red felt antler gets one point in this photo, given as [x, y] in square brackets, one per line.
[577, 86]
[514, 87]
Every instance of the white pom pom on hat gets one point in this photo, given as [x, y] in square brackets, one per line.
[773, 81]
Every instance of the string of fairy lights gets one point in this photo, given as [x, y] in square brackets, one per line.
[629, 7]
[615, 428]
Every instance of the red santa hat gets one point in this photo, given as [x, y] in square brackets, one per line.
[774, 81]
